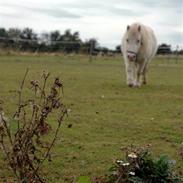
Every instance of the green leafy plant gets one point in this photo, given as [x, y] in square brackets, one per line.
[140, 166]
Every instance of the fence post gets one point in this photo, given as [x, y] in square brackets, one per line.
[91, 51]
[176, 54]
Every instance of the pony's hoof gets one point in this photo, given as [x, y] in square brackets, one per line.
[137, 85]
[144, 82]
[130, 85]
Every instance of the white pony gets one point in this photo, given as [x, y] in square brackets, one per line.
[139, 45]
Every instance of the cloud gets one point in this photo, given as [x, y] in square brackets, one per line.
[54, 12]
[176, 38]
[104, 20]
[126, 11]
[57, 13]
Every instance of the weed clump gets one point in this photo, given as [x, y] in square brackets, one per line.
[139, 166]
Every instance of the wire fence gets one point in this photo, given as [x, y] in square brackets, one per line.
[39, 40]
[168, 53]
[40, 45]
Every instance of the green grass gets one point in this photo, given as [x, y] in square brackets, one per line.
[104, 112]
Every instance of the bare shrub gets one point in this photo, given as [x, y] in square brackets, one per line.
[24, 146]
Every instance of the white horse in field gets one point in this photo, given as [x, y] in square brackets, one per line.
[138, 46]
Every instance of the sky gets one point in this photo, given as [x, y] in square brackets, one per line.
[105, 20]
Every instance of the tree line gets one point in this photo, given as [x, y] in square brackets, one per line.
[28, 40]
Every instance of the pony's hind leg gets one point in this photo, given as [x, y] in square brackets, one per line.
[144, 75]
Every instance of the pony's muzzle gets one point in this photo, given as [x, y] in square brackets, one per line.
[131, 57]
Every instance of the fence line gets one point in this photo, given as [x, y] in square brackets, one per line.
[39, 40]
[89, 45]
[173, 54]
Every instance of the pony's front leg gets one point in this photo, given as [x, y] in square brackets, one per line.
[138, 73]
[130, 72]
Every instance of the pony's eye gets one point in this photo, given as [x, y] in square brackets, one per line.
[127, 40]
[138, 41]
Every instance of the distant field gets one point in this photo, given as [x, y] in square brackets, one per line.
[105, 114]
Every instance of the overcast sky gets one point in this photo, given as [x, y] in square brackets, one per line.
[105, 20]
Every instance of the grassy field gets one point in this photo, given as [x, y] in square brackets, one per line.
[105, 114]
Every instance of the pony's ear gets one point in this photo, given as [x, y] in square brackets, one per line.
[139, 28]
[128, 27]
